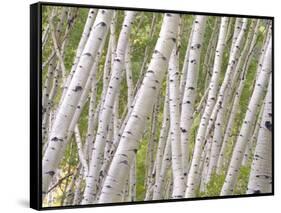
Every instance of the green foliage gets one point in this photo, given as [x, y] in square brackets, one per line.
[141, 168]
[142, 43]
[213, 188]
[243, 178]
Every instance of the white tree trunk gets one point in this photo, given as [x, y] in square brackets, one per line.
[162, 140]
[84, 38]
[174, 107]
[166, 163]
[218, 131]
[65, 112]
[128, 146]
[193, 173]
[190, 91]
[106, 111]
[239, 149]
[260, 180]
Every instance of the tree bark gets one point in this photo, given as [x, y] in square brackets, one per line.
[64, 115]
[128, 146]
[193, 172]
[260, 180]
[239, 149]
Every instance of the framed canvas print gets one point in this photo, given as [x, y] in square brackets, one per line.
[133, 105]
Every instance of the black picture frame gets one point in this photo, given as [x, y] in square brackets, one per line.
[36, 107]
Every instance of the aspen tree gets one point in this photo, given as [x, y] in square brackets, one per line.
[190, 90]
[239, 149]
[106, 111]
[64, 115]
[260, 180]
[218, 131]
[193, 172]
[111, 191]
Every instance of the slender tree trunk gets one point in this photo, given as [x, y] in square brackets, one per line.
[190, 90]
[166, 163]
[193, 173]
[260, 180]
[174, 107]
[239, 149]
[106, 111]
[129, 142]
[84, 38]
[64, 115]
[218, 131]
[162, 142]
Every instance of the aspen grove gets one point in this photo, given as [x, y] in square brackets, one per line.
[150, 106]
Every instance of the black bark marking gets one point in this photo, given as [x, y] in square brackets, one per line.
[268, 125]
[256, 192]
[183, 130]
[77, 88]
[56, 139]
[124, 162]
[103, 24]
[198, 46]
[257, 156]
[150, 71]
[88, 54]
[191, 88]
[168, 14]
[51, 173]
[117, 59]
[108, 186]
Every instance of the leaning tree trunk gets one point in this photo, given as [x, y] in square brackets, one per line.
[57, 138]
[190, 190]
[84, 38]
[128, 145]
[235, 105]
[244, 135]
[218, 131]
[260, 180]
[106, 111]
[190, 90]
[161, 145]
[174, 106]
